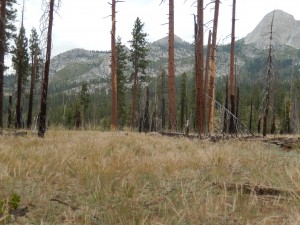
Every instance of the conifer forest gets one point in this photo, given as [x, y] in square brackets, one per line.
[161, 132]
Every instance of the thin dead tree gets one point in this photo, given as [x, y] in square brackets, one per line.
[206, 79]
[172, 107]
[213, 67]
[114, 114]
[2, 53]
[199, 68]
[266, 102]
[43, 106]
[231, 83]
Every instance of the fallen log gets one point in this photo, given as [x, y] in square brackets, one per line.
[247, 188]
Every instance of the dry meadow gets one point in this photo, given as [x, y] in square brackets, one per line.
[89, 177]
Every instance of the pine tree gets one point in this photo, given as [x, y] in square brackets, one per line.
[138, 54]
[7, 32]
[35, 52]
[121, 78]
[21, 65]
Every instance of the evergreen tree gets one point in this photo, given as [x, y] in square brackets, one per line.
[121, 80]
[35, 52]
[7, 31]
[138, 54]
[21, 65]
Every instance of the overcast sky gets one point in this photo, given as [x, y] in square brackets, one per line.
[85, 24]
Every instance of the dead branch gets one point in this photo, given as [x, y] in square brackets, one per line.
[63, 203]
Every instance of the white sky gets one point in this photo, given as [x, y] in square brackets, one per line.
[84, 24]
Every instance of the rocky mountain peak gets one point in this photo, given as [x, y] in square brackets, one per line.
[164, 41]
[286, 30]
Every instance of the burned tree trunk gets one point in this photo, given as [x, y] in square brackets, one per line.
[114, 114]
[232, 97]
[9, 112]
[146, 124]
[134, 99]
[225, 122]
[172, 107]
[268, 82]
[251, 115]
[213, 67]
[32, 87]
[207, 65]
[237, 103]
[2, 53]
[43, 108]
[199, 68]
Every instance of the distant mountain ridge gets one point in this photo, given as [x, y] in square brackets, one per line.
[286, 30]
[70, 69]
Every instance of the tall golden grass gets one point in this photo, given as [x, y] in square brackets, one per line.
[85, 177]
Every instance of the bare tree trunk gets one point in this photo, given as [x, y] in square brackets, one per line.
[213, 68]
[114, 115]
[134, 98]
[251, 115]
[231, 85]
[146, 124]
[225, 124]
[43, 109]
[199, 68]
[2, 53]
[172, 107]
[268, 83]
[9, 112]
[207, 66]
[237, 103]
[32, 87]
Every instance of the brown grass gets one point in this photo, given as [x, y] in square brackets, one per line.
[88, 177]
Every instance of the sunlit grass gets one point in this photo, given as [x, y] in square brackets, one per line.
[129, 178]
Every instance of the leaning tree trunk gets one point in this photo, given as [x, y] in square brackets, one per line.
[172, 109]
[2, 53]
[213, 68]
[231, 85]
[114, 115]
[43, 108]
[199, 68]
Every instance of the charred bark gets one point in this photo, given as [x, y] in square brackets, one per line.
[199, 68]
[225, 122]
[213, 67]
[32, 87]
[232, 97]
[9, 112]
[172, 109]
[2, 53]
[114, 115]
[206, 80]
[43, 108]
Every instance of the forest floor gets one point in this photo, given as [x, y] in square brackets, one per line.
[91, 177]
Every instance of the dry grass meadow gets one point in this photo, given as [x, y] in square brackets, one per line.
[89, 177]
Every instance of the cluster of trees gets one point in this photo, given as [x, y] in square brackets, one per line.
[164, 102]
[27, 61]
